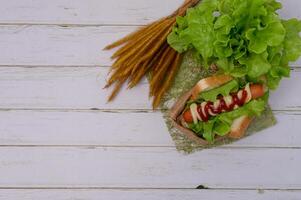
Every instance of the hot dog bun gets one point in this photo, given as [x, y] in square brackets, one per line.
[209, 83]
[239, 127]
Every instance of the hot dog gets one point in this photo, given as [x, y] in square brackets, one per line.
[201, 111]
[214, 108]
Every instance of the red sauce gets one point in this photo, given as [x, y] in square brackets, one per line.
[222, 107]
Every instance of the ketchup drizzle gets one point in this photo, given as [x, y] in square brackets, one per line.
[222, 107]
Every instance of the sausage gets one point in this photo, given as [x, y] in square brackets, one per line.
[188, 116]
[257, 91]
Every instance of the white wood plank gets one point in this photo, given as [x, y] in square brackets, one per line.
[108, 194]
[59, 45]
[86, 12]
[100, 11]
[150, 168]
[81, 88]
[134, 129]
[69, 88]
[83, 128]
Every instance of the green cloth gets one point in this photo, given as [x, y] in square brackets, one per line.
[189, 73]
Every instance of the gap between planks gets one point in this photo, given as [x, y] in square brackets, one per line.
[82, 66]
[71, 25]
[296, 111]
[170, 147]
[149, 188]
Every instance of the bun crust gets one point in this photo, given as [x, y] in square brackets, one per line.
[239, 127]
[209, 83]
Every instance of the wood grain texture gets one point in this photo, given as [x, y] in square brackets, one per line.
[83, 128]
[100, 11]
[150, 194]
[149, 168]
[54, 144]
[86, 12]
[81, 88]
[64, 88]
[60, 45]
[136, 129]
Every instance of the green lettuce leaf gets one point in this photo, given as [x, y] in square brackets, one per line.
[225, 64]
[275, 75]
[272, 35]
[292, 42]
[257, 64]
[207, 132]
[224, 90]
[253, 108]
[180, 45]
[224, 24]
[245, 38]
[221, 128]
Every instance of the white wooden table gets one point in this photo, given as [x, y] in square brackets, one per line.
[59, 139]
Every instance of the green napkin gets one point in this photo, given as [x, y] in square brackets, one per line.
[189, 73]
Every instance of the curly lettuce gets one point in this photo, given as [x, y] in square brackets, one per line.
[245, 38]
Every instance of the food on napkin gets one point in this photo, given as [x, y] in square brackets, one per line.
[251, 48]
